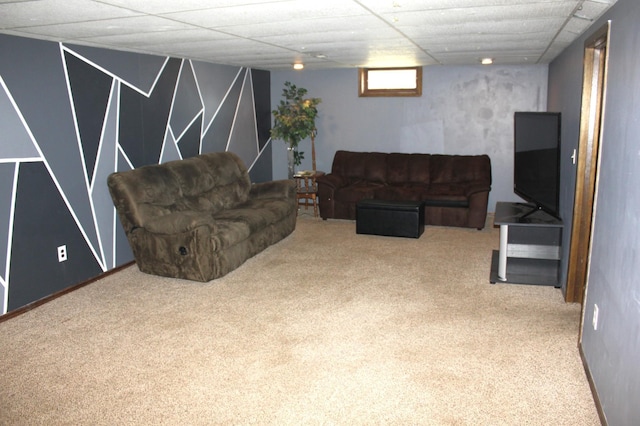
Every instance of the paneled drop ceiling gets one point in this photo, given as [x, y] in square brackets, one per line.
[274, 34]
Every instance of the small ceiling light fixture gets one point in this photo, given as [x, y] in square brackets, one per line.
[486, 61]
[298, 66]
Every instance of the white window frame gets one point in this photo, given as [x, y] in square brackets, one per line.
[409, 88]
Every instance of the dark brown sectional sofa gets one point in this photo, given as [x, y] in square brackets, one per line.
[454, 188]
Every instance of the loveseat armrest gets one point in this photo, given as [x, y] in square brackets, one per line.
[332, 181]
[327, 186]
[478, 196]
[179, 222]
[475, 188]
[188, 255]
[283, 188]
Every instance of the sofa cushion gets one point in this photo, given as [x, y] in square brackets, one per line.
[419, 169]
[446, 189]
[375, 167]
[442, 169]
[348, 164]
[446, 195]
[356, 166]
[230, 230]
[150, 211]
[356, 192]
[192, 175]
[269, 210]
[445, 202]
[397, 168]
[152, 185]
[144, 193]
[237, 224]
[478, 169]
[179, 222]
[401, 192]
[202, 189]
[230, 183]
[460, 168]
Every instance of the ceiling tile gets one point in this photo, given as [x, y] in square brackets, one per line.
[46, 12]
[282, 12]
[178, 38]
[168, 6]
[106, 27]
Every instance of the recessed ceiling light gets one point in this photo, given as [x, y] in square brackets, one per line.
[298, 66]
[486, 61]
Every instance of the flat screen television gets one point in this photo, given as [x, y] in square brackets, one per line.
[536, 166]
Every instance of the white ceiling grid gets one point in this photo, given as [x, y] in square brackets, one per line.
[273, 34]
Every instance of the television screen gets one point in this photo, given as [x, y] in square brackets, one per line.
[537, 159]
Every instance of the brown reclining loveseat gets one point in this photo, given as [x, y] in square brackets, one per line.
[201, 217]
[454, 188]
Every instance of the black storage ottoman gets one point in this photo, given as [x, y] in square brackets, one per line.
[390, 218]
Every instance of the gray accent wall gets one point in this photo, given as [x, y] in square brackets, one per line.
[612, 352]
[462, 110]
[70, 116]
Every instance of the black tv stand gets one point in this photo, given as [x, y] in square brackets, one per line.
[530, 249]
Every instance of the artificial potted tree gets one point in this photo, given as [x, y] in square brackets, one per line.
[294, 121]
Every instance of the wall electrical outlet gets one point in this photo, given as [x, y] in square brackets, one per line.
[62, 253]
[595, 316]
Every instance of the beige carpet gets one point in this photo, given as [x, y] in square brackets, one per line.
[326, 327]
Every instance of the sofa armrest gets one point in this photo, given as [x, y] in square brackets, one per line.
[283, 188]
[179, 222]
[475, 188]
[188, 255]
[327, 186]
[478, 203]
[332, 181]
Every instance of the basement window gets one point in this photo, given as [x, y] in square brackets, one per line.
[390, 81]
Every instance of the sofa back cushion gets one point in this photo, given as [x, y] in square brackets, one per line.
[375, 167]
[225, 183]
[349, 164]
[408, 168]
[361, 166]
[460, 168]
[208, 182]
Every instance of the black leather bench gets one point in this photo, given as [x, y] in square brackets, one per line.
[390, 218]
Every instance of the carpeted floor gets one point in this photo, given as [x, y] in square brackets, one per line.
[326, 327]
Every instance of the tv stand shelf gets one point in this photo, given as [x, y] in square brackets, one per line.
[530, 246]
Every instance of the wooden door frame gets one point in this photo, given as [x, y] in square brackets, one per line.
[591, 117]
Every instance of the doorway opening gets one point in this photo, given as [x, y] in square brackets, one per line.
[591, 116]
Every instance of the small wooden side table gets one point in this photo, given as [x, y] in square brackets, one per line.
[307, 189]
